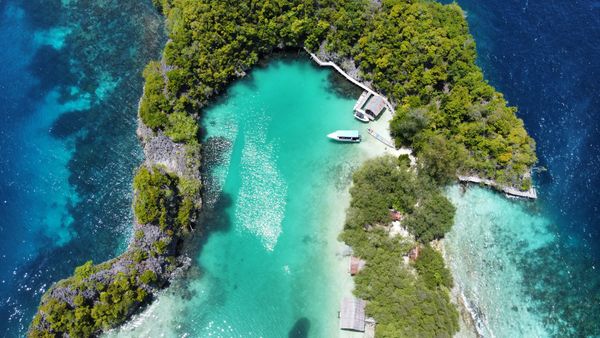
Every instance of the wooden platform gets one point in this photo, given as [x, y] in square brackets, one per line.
[349, 78]
[511, 191]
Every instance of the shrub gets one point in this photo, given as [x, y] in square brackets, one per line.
[181, 127]
[153, 188]
[431, 219]
[432, 269]
[148, 277]
[84, 271]
[154, 104]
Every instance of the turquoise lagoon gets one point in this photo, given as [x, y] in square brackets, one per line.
[270, 264]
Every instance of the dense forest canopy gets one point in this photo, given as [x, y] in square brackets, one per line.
[418, 53]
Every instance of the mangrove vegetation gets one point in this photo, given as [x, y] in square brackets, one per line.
[406, 300]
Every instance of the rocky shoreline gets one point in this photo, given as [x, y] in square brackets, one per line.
[152, 260]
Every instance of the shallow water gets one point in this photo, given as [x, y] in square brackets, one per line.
[538, 261]
[277, 189]
[484, 249]
[70, 80]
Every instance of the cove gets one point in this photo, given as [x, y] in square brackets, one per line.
[276, 193]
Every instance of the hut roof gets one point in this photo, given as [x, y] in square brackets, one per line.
[352, 314]
[413, 254]
[375, 105]
[395, 215]
[356, 264]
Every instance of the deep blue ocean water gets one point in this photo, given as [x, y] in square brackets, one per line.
[545, 57]
[70, 80]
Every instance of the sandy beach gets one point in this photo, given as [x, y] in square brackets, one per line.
[339, 252]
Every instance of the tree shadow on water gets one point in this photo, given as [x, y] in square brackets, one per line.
[213, 218]
[300, 328]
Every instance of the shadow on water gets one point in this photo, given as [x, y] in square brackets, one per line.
[300, 329]
[213, 218]
[53, 70]
[341, 87]
[282, 57]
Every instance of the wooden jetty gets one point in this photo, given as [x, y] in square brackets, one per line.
[349, 78]
[510, 191]
[362, 100]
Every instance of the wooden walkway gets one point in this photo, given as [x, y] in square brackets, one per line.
[531, 193]
[361, 101]
[349, 78]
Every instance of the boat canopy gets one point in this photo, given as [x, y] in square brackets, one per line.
[347, 133]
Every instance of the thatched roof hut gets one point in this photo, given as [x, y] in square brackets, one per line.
[352, 314]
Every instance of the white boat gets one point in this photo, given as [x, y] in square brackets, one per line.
[361, 116]
[345, 136]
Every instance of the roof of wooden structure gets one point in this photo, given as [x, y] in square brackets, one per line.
[375, 105]
[352, 314]
[395, 215]
[356, 264]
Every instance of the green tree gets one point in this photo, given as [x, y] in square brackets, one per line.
[431, 219]
[432, 269]
[440, 158]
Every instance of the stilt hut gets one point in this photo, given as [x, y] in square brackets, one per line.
[352, 314]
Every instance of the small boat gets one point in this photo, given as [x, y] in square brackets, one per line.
[345, 136]
[361, 116]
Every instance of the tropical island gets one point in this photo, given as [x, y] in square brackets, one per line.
[417, 53]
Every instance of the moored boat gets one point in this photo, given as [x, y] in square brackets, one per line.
[345, 136]
[361, 116]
